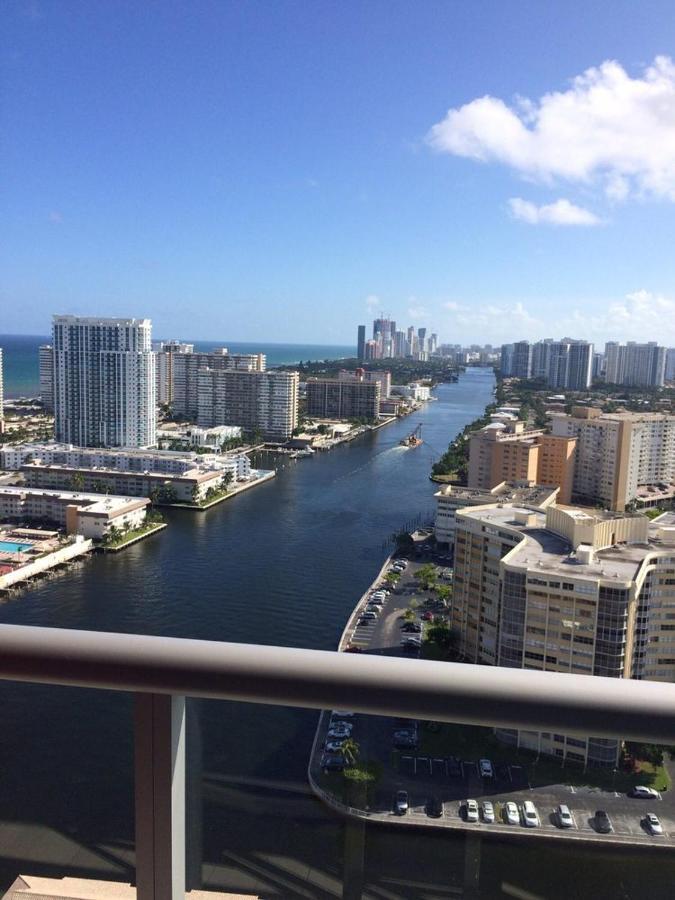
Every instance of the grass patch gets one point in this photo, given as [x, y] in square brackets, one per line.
[653, 513]
[129, 536]
[473, 742]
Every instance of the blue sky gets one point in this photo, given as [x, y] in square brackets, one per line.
[283, 171]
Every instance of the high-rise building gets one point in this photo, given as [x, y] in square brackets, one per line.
[598, 366]
[670, 365]
[541, 353]
[104, 382]
[46, 362]
[422, 339]
[400, 344]
[333, 398]
[361, 343]
[521, 366]
[500, 452]
[165, 356]
[619, 455]
[433, 343]
[635, 365]
[579, 366]
[645, 365]
[258, 401]
[186, 368]
[506, 361]
[565, 590]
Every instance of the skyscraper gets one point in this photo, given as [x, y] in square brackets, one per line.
[635, 365]
[258, 401]
[165, 357]
[186, 368]
[46, 358]
[104, 382]
[579, 367]
[522, 360]
[422, 338]
[361, 343]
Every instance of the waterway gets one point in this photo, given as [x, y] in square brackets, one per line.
[281, 564]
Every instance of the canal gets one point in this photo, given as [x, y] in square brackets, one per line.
[281, 564]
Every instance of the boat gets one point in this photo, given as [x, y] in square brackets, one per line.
[414, 439]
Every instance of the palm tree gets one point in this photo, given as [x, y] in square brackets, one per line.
[350, 751]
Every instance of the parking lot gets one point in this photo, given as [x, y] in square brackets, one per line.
[448, 781]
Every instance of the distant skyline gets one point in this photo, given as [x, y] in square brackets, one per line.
[493, 172]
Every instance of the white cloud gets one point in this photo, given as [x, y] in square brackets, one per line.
[561, 212]
[416, 310]
[639, 316]
[607, 128]
[373, 302]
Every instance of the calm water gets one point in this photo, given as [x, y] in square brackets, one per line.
[22, 377]
[281, 564]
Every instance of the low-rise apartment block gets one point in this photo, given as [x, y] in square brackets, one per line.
[89, 515]
[566, 590]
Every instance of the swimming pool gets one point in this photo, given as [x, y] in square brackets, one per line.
[13, 547]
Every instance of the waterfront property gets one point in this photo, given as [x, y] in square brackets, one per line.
[104, 381]
[86, 514]
[454, 497]
[566, 590]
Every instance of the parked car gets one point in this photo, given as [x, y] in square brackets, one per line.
[405, 743]
[332, 763]
[530, 815]
[401, 803]
[333, 746]
[486, 769]
[435, 807]
[511, 814]
[427, 616]
[373, 608]
[411, 627]
[603, 823]
[488, 812]
[340, 723]
[342, 714]
[406, 734]
[470, 811]
[653, 824]
[640, 792]
[338, 734]
[369, 615]
[367, 620]
[564, 817]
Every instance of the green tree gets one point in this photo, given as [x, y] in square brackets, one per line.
[350, 751]
[392, 578]
[444, 593]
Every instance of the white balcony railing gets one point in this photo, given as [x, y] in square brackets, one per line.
[161, 672]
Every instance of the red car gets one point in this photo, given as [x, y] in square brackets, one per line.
[427, 616]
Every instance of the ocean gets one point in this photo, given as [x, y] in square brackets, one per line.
[21, 371]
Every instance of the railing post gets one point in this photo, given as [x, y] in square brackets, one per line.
[160, 796]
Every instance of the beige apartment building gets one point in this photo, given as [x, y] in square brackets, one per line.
[566, 590]
[621, 458]
[511, 452]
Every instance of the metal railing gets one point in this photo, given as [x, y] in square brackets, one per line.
[161, 672]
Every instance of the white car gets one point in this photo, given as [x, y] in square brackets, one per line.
[471, 811]
[644, 793]
[488, 812]
[401, 803]
[530, 815]
[341, 714]
[511, 813]
[564, 817]
[653, 824]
